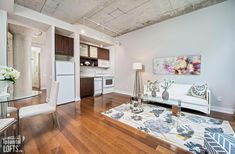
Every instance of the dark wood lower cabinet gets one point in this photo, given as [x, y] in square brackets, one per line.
[86, 87]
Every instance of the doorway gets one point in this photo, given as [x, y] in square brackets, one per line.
[36, 68]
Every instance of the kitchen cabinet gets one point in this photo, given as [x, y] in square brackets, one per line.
[88, 55]
[86, 86]
[94, 56]
[64, 45]
[103, 54]
[93, 52]
[88, 51]
[84, 50]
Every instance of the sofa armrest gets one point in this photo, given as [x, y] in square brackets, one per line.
[208, 98]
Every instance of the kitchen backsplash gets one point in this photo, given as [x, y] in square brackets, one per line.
[92, 71]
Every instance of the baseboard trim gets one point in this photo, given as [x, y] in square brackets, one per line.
[213, 108]
[123, 92]
[77, 99]
[222, 109]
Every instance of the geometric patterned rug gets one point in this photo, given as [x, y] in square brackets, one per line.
[186, 131]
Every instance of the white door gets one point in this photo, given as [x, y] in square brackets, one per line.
[36, 67]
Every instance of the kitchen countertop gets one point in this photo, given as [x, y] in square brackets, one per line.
[86, 76]
[96, 76]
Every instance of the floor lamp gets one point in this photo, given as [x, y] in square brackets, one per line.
[137, 84]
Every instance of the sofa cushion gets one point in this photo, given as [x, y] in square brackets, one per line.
[193, 100]
[198, 91]
[179, 89]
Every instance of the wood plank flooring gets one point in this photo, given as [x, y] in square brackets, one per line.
[84, 130]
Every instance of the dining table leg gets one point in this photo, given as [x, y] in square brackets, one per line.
[4, 110]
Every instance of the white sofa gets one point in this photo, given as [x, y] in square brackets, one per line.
[180, 92]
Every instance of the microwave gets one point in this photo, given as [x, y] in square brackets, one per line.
[103, 63]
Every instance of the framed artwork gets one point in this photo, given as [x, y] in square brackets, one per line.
[179, 65]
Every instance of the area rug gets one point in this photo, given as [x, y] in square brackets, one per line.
[186, 131]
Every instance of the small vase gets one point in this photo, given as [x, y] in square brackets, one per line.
[154, 93]
[3, 88]
[165, 95]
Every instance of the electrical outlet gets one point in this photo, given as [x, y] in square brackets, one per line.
[219, 99]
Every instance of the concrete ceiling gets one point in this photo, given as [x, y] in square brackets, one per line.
[115, 17]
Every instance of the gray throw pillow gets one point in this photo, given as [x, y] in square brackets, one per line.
[198, 91]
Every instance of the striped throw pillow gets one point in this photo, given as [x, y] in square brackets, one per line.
[219, 143]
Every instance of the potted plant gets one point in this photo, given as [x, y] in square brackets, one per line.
[166, 85]
[153, 87]
[8, 75]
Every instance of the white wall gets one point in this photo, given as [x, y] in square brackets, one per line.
[209, 32]
[77, 64]
[3, 37]
[48, 59]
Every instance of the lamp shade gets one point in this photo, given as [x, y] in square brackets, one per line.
[137, 66]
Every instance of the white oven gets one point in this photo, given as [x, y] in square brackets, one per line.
[108, 81]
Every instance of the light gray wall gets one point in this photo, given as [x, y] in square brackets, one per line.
[209, 32]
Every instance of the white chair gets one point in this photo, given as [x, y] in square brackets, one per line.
[10, 110]
[5, 123]
[45, 108]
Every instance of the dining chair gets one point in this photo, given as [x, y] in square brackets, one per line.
[6, 123]
[44, 108]
[10, 110]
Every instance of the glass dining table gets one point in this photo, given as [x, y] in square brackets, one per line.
[4, 100]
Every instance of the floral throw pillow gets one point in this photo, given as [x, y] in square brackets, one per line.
[198, 91]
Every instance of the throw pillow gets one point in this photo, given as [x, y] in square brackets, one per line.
[198, 91]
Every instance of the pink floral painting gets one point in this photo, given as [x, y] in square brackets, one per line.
[180, 65]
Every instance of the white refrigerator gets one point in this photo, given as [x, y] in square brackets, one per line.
[66, 77]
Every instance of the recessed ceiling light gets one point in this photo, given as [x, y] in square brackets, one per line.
[38, 33]
[83, 31]
[101, 46]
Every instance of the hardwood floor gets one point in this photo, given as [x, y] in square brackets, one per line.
[84, 130]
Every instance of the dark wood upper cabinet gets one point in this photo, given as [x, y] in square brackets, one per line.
[103, 54]
[64, 45]
[58, 43]
[71, 46]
